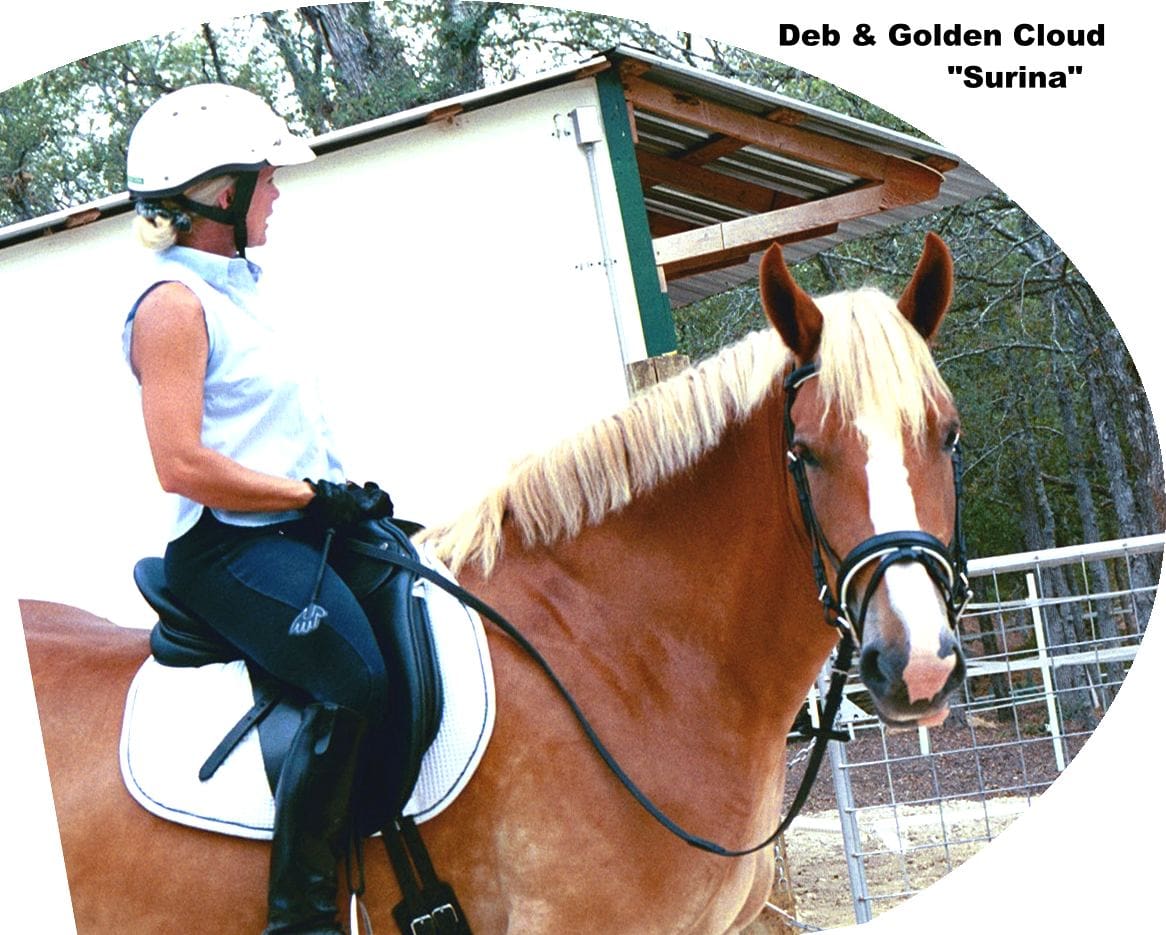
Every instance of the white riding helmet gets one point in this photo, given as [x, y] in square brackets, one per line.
[199, 132]
[204, 130]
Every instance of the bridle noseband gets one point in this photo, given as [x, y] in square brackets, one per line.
[946, 565]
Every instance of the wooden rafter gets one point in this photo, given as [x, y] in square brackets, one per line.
[907, 182]
[682, 253]
[663, 225]
[444, 113]
[735, 256]
[735, 193]
[718, 146]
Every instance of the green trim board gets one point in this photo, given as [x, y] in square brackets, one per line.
[655, 310]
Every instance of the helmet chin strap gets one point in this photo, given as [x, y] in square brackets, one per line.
[235, 215]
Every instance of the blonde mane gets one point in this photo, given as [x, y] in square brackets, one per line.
[873, 362]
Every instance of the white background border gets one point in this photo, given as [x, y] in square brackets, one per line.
[1074, 159]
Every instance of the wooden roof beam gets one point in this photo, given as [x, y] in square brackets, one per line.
[677, 253]
[664, 225]
[724, 189]
[738, 255]
[448, 112]
[906, 181]
[718, 146]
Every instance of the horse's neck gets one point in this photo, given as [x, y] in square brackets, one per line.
[695, 597]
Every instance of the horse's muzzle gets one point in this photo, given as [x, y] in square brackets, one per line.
[910, 690]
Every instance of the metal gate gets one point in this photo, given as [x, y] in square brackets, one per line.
[1048, 638]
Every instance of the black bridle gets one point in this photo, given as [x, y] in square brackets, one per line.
[946, 565]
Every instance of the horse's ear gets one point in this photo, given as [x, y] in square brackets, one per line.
[790, 310]
[927, 296]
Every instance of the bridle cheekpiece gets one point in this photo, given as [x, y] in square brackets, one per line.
[946, 565]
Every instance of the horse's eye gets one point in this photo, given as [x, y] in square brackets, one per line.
[951, 438]
[805, 454]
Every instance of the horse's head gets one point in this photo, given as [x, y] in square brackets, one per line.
[872, 437]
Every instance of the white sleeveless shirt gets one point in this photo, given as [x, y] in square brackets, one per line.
[261, 402]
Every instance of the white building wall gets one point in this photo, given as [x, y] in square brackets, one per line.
[448, 279]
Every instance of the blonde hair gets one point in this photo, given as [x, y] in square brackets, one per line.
[872, 361]
[875, 363]
[662, 432]
[159, 233]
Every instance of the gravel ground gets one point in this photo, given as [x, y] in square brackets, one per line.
[920, 817]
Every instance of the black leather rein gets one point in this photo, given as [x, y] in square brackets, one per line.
[946, 568]
[470, 600]
[821, 734]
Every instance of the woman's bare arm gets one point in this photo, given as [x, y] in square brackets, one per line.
[169, 355]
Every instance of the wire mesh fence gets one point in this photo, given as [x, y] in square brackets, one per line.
[1048, 640]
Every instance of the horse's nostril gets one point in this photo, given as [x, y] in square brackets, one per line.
[958, 673]
[948, 644]
[869, 667]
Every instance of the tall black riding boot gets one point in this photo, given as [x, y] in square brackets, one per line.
[313, 799]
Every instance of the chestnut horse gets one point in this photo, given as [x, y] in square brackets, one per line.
[661, 563]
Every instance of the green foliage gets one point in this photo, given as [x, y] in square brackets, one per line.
[63, 135]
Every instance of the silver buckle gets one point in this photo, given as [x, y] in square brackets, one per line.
[431, 917]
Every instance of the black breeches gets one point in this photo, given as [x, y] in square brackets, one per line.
[250, 583]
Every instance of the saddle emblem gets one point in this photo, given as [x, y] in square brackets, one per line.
[307, 620]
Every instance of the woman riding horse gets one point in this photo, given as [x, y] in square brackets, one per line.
[691, 661]
[237, 432]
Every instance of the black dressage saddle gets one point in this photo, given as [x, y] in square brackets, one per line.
[400, 618]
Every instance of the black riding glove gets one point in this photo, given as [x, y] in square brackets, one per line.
[336, 506]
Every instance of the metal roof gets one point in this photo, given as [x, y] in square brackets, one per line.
[672, 138]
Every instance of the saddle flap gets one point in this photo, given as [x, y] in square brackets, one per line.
[397, 609]
[402, 626]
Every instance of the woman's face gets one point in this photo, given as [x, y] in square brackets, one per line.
[261, 206]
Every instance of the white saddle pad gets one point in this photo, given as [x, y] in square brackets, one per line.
[174, 718]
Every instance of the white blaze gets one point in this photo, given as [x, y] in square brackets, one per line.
[910, 591]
